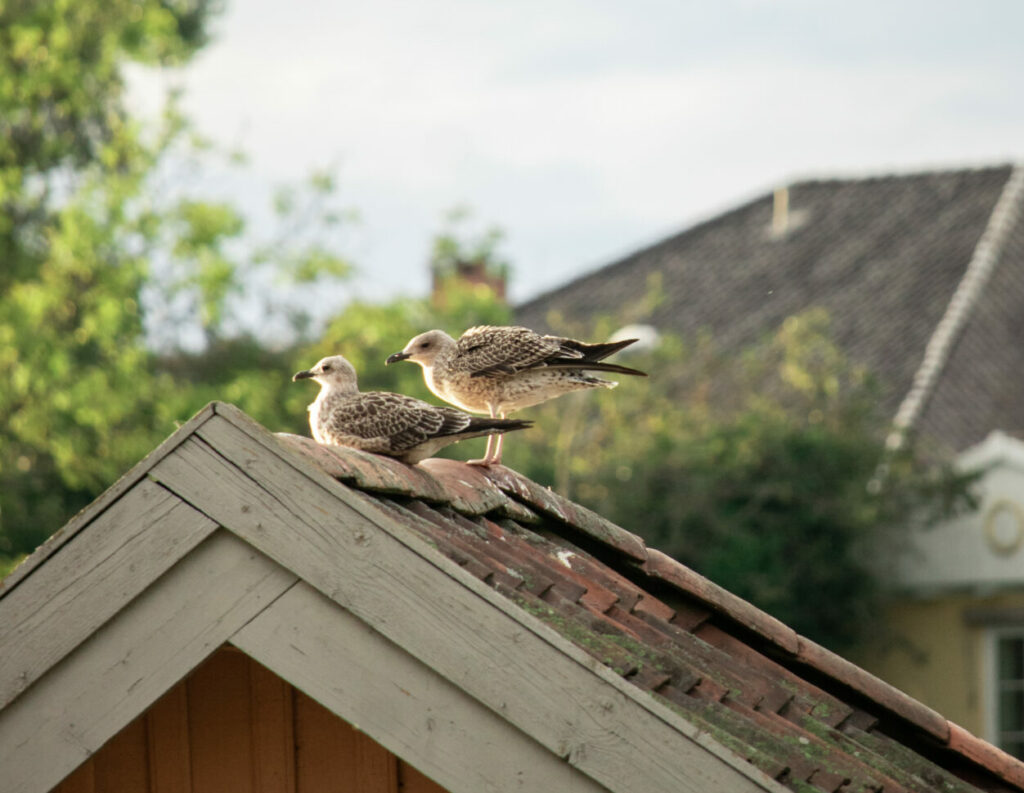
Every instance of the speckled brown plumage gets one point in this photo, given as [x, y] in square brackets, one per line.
[386, 423]
[497, 370]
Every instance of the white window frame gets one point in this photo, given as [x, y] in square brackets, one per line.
[991, 677]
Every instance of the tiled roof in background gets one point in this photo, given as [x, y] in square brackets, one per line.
[800, 713]
[882, 255]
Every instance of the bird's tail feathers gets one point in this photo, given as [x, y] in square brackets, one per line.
[597, 366]
[488, 425]
[599, 351]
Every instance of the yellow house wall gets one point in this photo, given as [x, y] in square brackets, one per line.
[927, 649]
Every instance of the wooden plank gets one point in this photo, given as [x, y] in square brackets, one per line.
[335, 756]
[398, 701]
[410, 780]
[109, 496]
[90, 579]
[133, 659]
[326, 756]
[273, 734]
[82, 780]
[365, 561]
[170, 764]
[376, 769]
[220, 738]
[123, 763]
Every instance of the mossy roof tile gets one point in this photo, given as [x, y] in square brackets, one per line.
[811, 719]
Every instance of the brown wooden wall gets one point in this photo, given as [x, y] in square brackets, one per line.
[233, 726]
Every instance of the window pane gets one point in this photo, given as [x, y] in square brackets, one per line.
[1011, 711]
[1016, 748]
[1011, 658]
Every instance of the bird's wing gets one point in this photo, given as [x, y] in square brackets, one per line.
[405, 422]
[490, 350]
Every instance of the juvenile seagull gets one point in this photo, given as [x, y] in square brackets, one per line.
[386, 423]
[497, 370]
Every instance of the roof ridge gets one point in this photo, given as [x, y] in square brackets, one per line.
[983, 261]
[701, 222]
[791, 646]
[719, 670]
[450, 482]
[895, 175]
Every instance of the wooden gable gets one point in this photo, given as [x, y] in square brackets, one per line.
[225, 536]
[233, 725]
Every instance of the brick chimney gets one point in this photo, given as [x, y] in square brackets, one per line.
[470, 274]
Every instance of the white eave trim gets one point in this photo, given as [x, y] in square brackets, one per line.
[983, 261]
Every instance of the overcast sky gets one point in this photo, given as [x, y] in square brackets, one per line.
[589, 129]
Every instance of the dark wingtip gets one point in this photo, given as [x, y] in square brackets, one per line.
[601, 366]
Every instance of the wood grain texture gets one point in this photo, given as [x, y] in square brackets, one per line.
[377, 768]
[125, 764]
[90, 579]
[334, 756]
[170, 763]
[326, 757]
[82, 780]
[273, 733]
[410, 780]
[364, 561]
[133, 659]
[408, 708]
[219, 716]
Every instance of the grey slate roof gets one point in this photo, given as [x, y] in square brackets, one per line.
[882, 255]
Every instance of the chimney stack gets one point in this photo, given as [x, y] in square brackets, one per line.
[780, 212]
[468, 273]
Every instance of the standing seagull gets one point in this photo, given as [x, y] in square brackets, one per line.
[386, 423]
[497, 370]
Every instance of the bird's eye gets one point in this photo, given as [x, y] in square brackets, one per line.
[424, 345]
[327, 367]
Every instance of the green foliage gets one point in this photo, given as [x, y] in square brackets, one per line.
[453, 247]
[367, 333]
[753, 470]
[102, 261]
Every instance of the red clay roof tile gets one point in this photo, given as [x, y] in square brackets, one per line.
[470, 491]
[371, 472]
[572, 515]
[689, 616]
[797, 711]
[653, 607]
[986, 755]
[878, 691]
[924, 774]
[664, 567]
[793, 690]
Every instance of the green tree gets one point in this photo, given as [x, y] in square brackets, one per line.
[66, 299]
[752, 469]
[455, 250]
[95, 248]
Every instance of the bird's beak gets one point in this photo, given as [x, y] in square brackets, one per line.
[396, 357]
[304, 375]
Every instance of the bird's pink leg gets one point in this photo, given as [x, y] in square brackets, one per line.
[488, 457]
[496, 457]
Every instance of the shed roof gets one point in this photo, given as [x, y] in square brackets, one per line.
[472, 621]
[885, 256]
